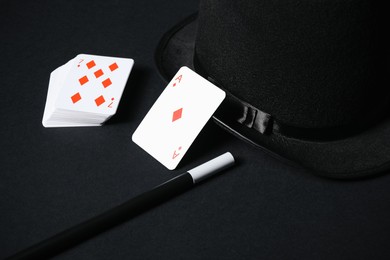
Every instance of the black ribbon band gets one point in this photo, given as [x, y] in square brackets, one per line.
[245, 114]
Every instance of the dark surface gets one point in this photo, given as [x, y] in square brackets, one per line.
[51, 179]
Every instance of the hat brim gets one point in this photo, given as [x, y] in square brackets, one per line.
[361, 155]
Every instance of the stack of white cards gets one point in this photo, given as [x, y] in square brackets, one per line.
[85, 91]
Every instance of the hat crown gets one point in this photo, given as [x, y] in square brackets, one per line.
[310, 64]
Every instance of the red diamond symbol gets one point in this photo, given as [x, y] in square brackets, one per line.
[177, 114]
[100, 100]
[106, 82]
[113, 66]
[83, 80]
[91, 64]
[98, 73]
[76, 97]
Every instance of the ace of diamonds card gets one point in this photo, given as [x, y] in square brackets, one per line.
[177, 117]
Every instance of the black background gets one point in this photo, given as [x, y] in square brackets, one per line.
[51, 179]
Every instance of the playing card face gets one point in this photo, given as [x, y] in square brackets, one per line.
[177, 117]
[94, 84]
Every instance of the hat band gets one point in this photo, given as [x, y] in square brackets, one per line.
[266, 124]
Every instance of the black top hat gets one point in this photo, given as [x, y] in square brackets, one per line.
[306, 80]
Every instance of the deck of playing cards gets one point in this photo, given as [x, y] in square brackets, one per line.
[85, 91]
[177, 117]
